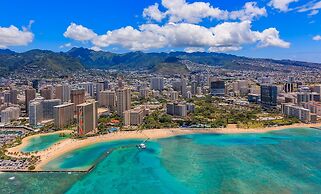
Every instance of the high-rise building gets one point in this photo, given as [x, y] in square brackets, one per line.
[173, 95]
[7, 97]
[99, 88]
[143, 92]
[106, 85]
[176, 109]
[217, 88]
[87, 117]
[269, 94]
[123, 100]
[30, 94]
[89, 88]
[48, 108]
[35, 84]
[180, 86]
[194, 86]
[77, 96]
[47, 92]
[14, 96]
[64, 115]
[120, 83]
[107, 99]
[62, 92]
[184, 87]
[157, 83]
[9, 114]
[35, 112]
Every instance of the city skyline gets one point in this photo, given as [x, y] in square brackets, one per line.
[269, 29]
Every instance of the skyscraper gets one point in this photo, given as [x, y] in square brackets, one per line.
[35, 112]
[87, 117]
[107, 99]
[64, 115]
[9, 114]
[47, 92]
[218, 88]
[106, 85]
[30, 94]
[157, 83]
[62, 92]
[123, 100]
[89, 88]
[77, 96]
[99, 88]
[48, 108]
[13, 96]
[269, 95]
[35, 84]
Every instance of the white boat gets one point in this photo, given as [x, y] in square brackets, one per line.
[141, 146]
[12, 178]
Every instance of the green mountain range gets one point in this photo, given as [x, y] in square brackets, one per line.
[82, 58]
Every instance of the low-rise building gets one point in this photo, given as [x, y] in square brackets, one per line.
[135, 116]
[299, 112]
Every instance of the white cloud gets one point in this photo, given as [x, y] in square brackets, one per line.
[152, 12]
[249, 12]
[223, 37]
[95, 48]
[194, 49]
[317, 38]
[67, 45]
[182, 11]
[270, 37]
[313, 12]
[224, 49]
[282, 5]
[79, 32]
[12, 36]
[311, 6]
[180, 31]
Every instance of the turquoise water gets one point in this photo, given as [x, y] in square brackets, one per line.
[287, 161]
[42, 142]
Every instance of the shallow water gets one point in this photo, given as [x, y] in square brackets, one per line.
[42, 142]
[287, 161]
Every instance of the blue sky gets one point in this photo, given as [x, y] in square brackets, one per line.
[282, 29]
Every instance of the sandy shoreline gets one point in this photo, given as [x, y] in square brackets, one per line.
[68, 145]
[26, 140]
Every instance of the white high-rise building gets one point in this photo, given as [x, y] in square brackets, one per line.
[35, 112]
[9, 114]
[123, 100]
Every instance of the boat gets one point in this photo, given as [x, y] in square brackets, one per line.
[141, 146]
[12, 178]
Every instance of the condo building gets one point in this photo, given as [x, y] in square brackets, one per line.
[64, 115]
[87, 117]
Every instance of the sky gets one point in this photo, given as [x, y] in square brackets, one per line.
[280, 29]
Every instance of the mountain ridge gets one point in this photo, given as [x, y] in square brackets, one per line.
[84, 58]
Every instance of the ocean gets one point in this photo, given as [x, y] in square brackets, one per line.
[286, 161]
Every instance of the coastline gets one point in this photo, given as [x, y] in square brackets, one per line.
[26, 140]
[69, 145]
